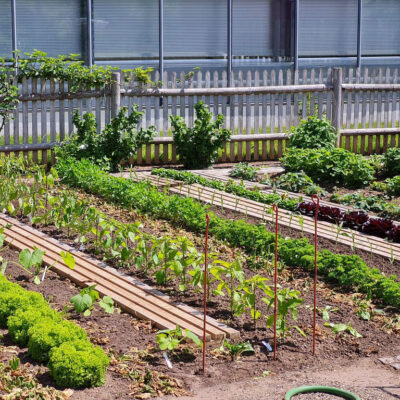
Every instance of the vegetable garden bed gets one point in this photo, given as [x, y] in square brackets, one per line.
[337, 338]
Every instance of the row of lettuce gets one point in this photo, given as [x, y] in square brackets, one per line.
[346, 270]
[72, 359]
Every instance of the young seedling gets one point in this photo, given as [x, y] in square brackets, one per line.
[338, 230]
[342, 328]
[235, 350]
[301, 223]
[170, 339]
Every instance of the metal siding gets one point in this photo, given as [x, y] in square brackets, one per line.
[194, 28]
[53, 26]
[5, 29]
[327, 28]
[252, 28]
[381, 27]
[125, 29]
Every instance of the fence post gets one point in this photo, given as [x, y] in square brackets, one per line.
[337, 112]
[115, 93]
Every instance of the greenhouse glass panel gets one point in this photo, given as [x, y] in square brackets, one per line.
[53, 26]
[381, 28]
[125, 29]
[194, 28]
[253, 28]
[5, 29]
[328, 28]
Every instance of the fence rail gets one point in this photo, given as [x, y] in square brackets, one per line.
[364, 105]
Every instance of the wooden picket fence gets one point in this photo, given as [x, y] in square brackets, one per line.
[260, 110]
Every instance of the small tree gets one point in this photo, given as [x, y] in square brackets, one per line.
[198, 147]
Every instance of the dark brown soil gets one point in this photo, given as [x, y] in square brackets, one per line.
[121, 332]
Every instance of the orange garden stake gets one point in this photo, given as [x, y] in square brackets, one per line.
[315, 200]
[205, 293]
[276, 210]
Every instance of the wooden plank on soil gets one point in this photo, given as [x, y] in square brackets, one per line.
[129, 293]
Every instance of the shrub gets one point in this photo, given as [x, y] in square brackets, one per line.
[393, 186]
[78, 364]
[197, 147]
[244, 171]
[391, 161]
[14, 298]
[19, 323]
[48, 334]
[313, 133]
[298, 182]
[336, 166]
[119, 140]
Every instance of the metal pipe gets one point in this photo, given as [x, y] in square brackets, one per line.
[161, 38]
[89, 58]
[229, 42]
[296, 36]
[205, 293]
[14, 26]
[359, 32]
[276, 211]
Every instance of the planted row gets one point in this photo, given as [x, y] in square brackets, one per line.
[167, 259]
[230, 187]
[72, 359]
[357, 220]
[349, 271]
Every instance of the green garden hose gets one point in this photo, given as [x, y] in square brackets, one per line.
[321, 389]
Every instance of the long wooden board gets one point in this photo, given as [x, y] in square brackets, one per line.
[129, 293]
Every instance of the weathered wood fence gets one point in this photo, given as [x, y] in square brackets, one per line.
[260, 110]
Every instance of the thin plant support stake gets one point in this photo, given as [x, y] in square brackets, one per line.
[276, 211]
[315, 199]
[205, 293]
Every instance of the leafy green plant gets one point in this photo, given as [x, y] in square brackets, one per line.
[313, 133]
[236, 349]
[298, 182]
[170, 339]
[119, 140]
[204, 139]
[48, 334]
[339, 328]
[14, 363]
[230, 277]
[249, 294]
[244, 171]
[391, 162]
[393, 186]
[288, 304]
[84, 302]
[78, 364]
[337, 166]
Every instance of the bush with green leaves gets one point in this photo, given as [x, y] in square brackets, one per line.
[393, 186]
[244, 171]
[335, 166]
[313, 133]
[198, 147]
[48, 333]
[391, 162]
[22, 320]
[119, 140]
[298, 182]
[78, 364]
